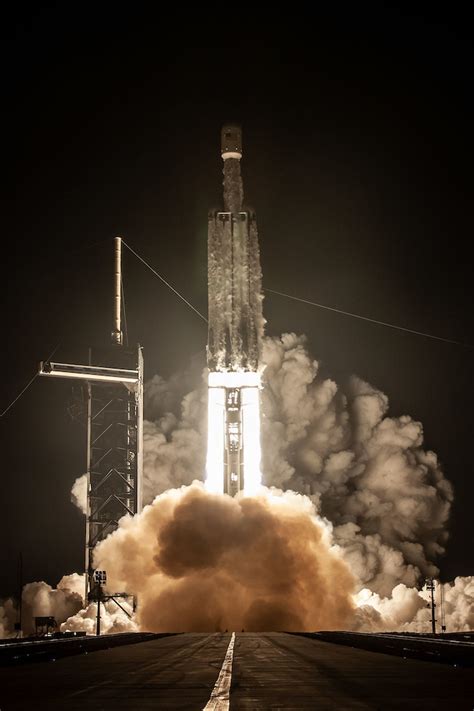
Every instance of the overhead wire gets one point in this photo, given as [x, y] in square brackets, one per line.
[371, 320]
[175, 291]
[28, 384]
[164, 281]
[124, 311]
[270, 291]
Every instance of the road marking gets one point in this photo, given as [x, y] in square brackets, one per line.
[219, 700]
[89, 688]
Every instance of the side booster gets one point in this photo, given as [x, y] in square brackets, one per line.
[235, 334]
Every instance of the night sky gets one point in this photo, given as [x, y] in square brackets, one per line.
[357, 157]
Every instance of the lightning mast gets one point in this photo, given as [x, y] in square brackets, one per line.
[113, 384]
[431, 588]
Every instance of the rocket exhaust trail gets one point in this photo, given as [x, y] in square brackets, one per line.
[235, 334]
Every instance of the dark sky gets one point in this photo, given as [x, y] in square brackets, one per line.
[357, 158]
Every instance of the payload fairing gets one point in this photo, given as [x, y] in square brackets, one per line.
[235, 334]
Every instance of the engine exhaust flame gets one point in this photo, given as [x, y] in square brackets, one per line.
[233, 438]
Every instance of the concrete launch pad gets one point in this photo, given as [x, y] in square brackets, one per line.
[269, 671]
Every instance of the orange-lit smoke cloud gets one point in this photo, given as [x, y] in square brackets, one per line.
[201, 562]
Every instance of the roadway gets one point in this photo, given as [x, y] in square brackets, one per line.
[269, 671]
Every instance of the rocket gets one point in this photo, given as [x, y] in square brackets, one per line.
[235, 334]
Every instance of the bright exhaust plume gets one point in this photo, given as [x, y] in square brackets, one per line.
[233, 432]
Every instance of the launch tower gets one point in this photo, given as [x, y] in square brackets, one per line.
[113, 387]
[235, 334]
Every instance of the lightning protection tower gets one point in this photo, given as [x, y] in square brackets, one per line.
[113, 384]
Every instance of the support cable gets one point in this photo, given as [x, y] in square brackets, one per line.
[19, 395]
[124, 312]
[164, 281]
[121, 607]
[270, 291]
[371, 320]
[28, 384]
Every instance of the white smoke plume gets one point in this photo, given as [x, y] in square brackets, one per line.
[41, 600]
[406, 609]
[79, 493]
[65, 603]
[174, 441]
[112, 619]
[386, 497]
[8, 617]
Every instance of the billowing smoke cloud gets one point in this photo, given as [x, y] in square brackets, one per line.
[79, 493]
[406, 609]
[459, 604]
[113, 618]
[65, 603]
[200, 562]
[174, 432]
[386, 497]
[42, 600]
[366, 472]
[8, 617]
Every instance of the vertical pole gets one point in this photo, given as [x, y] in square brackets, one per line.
[433, 606]
[441, 606]
[99, 595]
[87, 551]
[431, 586]
[139, 396]
[117, 336]
[20, 593]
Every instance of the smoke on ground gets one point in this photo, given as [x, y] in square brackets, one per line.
[113, 618]
[201, 562]
[41, 600]
[406, 609]
[65, 603]
[8, 617]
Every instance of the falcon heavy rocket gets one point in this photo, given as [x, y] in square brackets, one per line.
[235, 334]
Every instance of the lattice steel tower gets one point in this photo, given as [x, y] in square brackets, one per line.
[114, 393]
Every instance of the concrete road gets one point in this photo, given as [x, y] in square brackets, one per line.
[269, 671]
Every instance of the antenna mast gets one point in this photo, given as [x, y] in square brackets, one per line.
[117, 335]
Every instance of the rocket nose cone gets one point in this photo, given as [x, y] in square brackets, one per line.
[231, 141]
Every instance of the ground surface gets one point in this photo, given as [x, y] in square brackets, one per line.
[270, 671]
